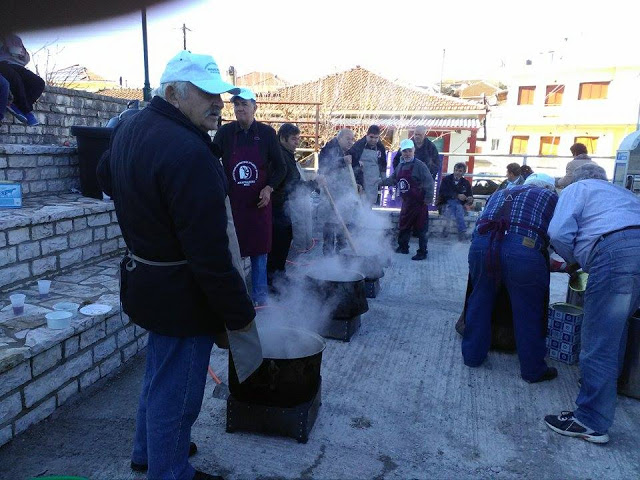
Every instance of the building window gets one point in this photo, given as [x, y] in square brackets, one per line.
[519, 145]
[554, 95]
[593, 90]
[525, 95]
[495, 143]
[549, 145]
[590, 142]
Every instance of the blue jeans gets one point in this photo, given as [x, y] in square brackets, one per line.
[170, 402]
[612, 295]
[455, 210]
[4, 95]
[259, 278]
[524, 273]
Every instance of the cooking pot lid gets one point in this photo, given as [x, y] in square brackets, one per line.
[289, 343]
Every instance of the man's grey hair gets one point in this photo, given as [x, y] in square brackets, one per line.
[537, 182]
[179, 87]
[421, 128]
[343, 132]
[589, 170]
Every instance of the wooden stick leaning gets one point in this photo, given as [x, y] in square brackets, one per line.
[344, 226]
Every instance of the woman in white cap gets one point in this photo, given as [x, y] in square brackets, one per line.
[510, 249]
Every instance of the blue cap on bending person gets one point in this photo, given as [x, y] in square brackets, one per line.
[541, 180]
[406, 144]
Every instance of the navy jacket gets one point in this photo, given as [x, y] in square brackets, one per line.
[429, 155]
[356, 152]
[169, 192]
[450, 191]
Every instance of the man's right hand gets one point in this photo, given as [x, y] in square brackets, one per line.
[462, 197]
[347, 159]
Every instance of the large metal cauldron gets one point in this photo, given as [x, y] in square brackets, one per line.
[344, 288]
[290, 372]
[368, 265]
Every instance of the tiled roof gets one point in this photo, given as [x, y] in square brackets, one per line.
[126, 93]
[260, 81]
[432, 123]
[478, 89]
[360, 90]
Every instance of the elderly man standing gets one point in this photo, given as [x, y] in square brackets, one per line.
[597, 225]
[178, 278]
[370, 156]
[253, 163]
[415, 184]
[333, 164]
[425, 151]
[509, 248]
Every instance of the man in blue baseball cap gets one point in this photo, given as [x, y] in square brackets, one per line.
[415, 184]
[179, 280]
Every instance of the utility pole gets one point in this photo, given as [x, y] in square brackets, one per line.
[184, 36]
[444, 50]
[146, 91]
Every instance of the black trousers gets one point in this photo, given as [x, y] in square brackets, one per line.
[405, 235]
[26, 87]
[282, 235]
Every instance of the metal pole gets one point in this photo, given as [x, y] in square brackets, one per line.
[184, 36]
[146, 91]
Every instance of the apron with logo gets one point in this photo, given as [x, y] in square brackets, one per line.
[413, 214]
[371, 173]
[247, 174]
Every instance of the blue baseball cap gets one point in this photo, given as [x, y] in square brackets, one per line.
[406, 144]
[200, 70]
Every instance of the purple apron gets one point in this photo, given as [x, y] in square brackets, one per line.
[413, 213]
[247, 174]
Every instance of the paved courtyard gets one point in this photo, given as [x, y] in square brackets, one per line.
[397, 403]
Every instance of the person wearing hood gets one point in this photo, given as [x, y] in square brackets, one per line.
[415, 184]
[510, 248]
[370, 158]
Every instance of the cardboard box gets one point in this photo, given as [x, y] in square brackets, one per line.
[10, 195]
[563, 336]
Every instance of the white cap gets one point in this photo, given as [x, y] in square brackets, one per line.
[201, 70]
[245, 94]
[406, 143]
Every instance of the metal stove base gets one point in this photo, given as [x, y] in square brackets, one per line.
[295, 422]
[372, 288]
[341, 329]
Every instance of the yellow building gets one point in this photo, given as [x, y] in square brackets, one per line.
[551, 107]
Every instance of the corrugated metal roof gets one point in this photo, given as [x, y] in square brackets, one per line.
[431, 123]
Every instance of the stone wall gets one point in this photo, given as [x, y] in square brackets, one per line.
[40, 169]
[57, 110]
[41, 377]
[53, 233]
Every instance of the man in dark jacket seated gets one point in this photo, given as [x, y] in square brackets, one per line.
[178, 278]
[455, 193]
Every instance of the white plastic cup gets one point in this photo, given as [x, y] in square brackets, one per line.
[17, 302]
[43, 287]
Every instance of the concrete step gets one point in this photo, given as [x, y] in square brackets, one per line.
[52, 233]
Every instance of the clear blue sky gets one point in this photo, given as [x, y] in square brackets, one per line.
[401, 39]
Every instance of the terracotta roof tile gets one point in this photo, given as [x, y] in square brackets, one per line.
[126, 93]
[478, 89]
[359, 89]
